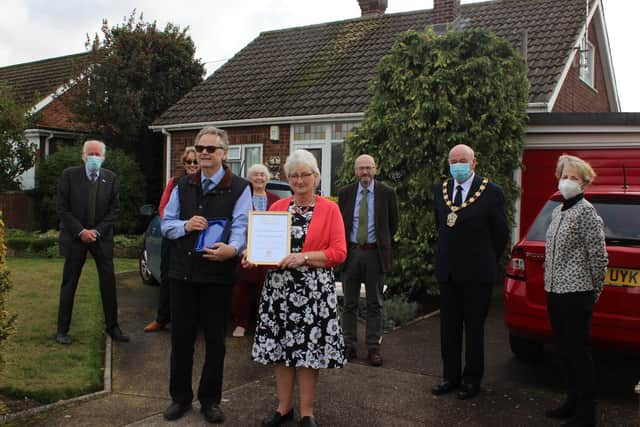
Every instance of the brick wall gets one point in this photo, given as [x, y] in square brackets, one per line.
[237, 135]
[57, 115]
[445, 11]
[577, 96]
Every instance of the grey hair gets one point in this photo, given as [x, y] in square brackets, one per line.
[257, 168]
[104, 147]
[583, 168]
[302, 158]
[212, 130]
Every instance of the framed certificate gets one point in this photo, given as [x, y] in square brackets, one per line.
[268, 237]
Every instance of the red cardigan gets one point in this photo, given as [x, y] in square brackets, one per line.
[326, 230]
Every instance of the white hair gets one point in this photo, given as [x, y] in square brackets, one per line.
[302, 158]
[104, 147]
[257, 168]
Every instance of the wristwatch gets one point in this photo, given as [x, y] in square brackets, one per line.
[306, 259]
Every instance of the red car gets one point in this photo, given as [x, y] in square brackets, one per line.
[616, 317]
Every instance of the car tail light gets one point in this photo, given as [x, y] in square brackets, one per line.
[516, 267]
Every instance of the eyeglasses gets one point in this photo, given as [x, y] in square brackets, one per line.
[301, 176]
[210, 148]
[191, 162]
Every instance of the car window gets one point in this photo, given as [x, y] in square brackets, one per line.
[280, 189]
[621, 224]
[538, 230]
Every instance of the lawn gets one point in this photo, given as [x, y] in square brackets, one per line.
[36, 367]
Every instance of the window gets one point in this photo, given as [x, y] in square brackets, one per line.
[587, 62]
[241, 157]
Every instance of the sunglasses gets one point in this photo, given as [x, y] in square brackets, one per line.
[209, 148]
[191, 162]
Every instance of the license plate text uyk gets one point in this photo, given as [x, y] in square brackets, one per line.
[622, 277]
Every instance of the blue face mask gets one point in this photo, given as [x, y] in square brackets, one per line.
[94, 163]
[460, 171]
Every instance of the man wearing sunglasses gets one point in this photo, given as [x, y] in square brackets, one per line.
[201, 282]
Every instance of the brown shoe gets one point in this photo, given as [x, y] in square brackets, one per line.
[375, 358]
[154, 326]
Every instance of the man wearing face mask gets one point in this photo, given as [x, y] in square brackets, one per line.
[88, 204]
[472, 236]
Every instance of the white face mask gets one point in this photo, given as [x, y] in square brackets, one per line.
[569, 188]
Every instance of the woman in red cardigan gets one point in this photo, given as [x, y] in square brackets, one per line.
[298, 327]
[249, 284]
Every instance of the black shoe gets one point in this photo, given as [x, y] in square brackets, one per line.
[62, 338]
[212, 413]
[176, 410]
[578, 421]
[468, 391]
[116, 334]
[444, 387]
[276, 419]
[566, 410]
[308, 422]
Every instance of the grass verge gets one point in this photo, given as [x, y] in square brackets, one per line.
[36, 366]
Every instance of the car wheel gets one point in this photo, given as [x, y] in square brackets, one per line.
[525, 348]
[145, 271]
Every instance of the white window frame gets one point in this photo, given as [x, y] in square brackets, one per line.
[242, 157]
[587, 71]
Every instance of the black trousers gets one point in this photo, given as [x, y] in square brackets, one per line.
[164, 300]
[194, 305]
[73, 263]
[570, 316]
[463, 307]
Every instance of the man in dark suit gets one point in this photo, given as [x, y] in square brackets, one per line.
[88, 204]
[472, 235]
[370, 212]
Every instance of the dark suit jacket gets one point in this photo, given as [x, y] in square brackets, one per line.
[471, 250]
[386, 218]
[73, 194]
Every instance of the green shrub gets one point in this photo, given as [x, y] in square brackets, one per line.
[131, 186]
[53, 251]
[6, 320]
[19, 243]
[42, 244]
[429, 94]
[398, 311]
[129, 241]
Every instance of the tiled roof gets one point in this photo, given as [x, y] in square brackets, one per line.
[325, 69]
[40, 78]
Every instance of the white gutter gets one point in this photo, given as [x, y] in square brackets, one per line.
[317, 118]
[168, 155]
[603, 43]
[538, 107]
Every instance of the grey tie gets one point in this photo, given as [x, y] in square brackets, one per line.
[205, 185]
[94, 176]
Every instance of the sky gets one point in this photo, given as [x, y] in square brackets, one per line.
[31, 30]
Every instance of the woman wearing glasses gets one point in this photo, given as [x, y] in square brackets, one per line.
[190, 165]
[249, 284]
[298, 328]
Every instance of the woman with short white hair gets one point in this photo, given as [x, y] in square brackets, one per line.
[249, 284]
[298, 327]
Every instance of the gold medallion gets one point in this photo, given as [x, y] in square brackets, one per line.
[451, 219]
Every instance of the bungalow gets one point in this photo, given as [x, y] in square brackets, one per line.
[306, 87]
[41, 84]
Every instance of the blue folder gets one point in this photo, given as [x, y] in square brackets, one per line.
[217, 231]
